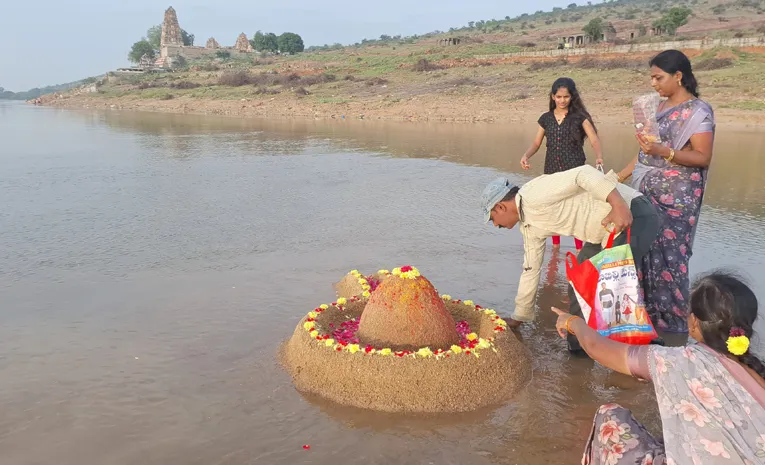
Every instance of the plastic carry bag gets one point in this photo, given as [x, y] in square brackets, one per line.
[607, 288]
[644, 108]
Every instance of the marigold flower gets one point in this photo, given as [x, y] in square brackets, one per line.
[366, 294]
[353, 348]
[738, 345]
[471, 337]
[425, 352]
[456, 349]
[312, 314]
[329, 342]
[308, 325]
[314, 333]
[323, 306]
[342, 301]
[446, 297]
[469, 303]
[385, 352]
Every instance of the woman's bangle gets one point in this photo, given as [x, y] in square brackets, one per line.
[568, 322]
[671, 155]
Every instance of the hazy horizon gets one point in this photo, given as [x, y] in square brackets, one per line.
[55, 42]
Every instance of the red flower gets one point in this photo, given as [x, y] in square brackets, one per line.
[368, 349]
[309, 319]
[318, 310]
[499, 328]
[306, 447]
[405, 269]
[478, 307]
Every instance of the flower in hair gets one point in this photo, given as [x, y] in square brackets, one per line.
[738, 343]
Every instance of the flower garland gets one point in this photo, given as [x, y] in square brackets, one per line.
[344, 340]
[406, 272]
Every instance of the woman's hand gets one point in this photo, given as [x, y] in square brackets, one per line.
[525, 162]
[560, 325]
[650, 148]
[599, 162]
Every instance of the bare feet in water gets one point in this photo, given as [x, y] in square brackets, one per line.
[513, 324]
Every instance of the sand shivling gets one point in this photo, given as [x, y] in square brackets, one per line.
[391, 343]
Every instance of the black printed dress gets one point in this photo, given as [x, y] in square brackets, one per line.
[565, 142]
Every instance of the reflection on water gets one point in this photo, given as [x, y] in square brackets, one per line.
[152, 265]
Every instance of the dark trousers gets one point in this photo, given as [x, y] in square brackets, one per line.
[645, 228]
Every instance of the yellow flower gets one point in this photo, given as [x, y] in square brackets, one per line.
[366, 294]
[425, 352]
[411, 274]
[472, 337]
[308, 325]
[323, 306]
[490, 312]
[366, 287]
[342, 301]
[738, 345]
[456, 349]
[483, 344]
[383, 272]
[314, 333]
[355, 272]
[312, 315]
[353, 348]
[385, 352]
[329, 342]
[362, 281]
[469, 303]
[396, 271]
[446, 297]
[500, 322]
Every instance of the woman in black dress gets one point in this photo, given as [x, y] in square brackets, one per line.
[566, 126]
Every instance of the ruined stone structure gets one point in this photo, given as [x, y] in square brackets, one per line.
[242, 44]
[171, 44]
[450, 41]
[171, 30]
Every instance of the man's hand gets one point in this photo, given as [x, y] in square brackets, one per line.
[620, 217]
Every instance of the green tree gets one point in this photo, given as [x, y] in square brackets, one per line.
[258, 41]
[270, 42]
[188, 39]
[139, 49]
[673, 19]
[594, 29]
[291, 43]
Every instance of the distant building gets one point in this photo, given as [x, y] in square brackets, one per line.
[171, 44]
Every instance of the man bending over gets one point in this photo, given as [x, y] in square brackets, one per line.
[581, 202]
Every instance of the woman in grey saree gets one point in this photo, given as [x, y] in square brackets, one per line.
[711, 395]
[673, 176]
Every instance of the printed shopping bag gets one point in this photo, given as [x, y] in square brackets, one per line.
[606, 287]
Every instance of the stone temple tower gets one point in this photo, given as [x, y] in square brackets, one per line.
[171, 30]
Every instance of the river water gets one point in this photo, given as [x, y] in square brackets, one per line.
[152, 264]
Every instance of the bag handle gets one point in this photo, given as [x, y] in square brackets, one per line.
[611, 237]
[571, 262]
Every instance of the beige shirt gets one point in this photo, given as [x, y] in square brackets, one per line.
[569, 203]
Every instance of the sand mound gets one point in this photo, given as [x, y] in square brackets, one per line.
[355, 284]
[488, 366]
[407, 312]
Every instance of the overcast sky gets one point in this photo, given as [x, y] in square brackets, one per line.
[46, 42]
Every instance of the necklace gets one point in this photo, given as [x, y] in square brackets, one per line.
[560, 118]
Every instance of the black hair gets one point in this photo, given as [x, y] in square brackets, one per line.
[511, 195]
[720, 301]
[672, 61]
[576, 106]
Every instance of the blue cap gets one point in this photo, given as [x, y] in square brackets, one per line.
[493, 194]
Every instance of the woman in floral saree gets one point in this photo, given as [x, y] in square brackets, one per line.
[673, 176]
[711, 395]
